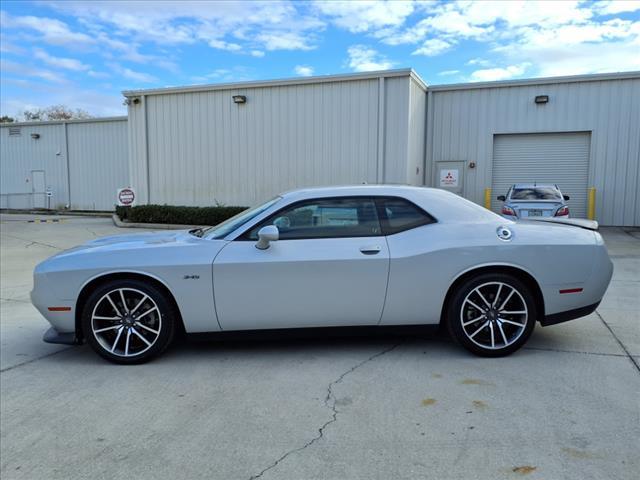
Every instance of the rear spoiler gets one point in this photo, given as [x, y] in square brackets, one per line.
[574, 222]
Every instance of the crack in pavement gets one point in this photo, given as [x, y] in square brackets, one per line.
[35, 359]
[330, 403]
[633, 360]
[30, 242]
[579, 352]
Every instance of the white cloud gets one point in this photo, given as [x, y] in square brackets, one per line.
[7, 66]
[491, 74]
[53, 31]
[283, 40]
[129, 74]
[365, 59]
[446, 73]
[256, 53]
[433, 47]
[481, 62]
[60, 62]
[617, 6]
[362, 16]
[303, 70]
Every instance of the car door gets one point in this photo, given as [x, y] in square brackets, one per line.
[329, 267]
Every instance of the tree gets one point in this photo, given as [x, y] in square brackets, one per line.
[7, 119]
[55, 112]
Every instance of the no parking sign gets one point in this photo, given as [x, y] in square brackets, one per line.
[126, 197]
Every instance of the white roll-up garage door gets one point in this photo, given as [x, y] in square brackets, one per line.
[560, 158]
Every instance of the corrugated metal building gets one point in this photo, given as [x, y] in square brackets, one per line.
[585, 133]
[81, 162]
[195, 146]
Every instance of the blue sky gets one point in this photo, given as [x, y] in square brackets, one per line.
[83, 54]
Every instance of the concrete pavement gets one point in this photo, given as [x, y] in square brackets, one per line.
[565, 407]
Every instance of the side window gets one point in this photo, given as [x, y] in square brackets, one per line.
[403, 215]
[325, 218]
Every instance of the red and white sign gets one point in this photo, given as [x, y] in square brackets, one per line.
[126, 197]
[449, 177]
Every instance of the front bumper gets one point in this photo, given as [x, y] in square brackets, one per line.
[64, 338]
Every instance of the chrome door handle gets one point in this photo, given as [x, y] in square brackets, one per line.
[370, 250]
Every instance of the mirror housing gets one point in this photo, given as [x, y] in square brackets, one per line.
[566, 197]
[502, 198]
[267, 234]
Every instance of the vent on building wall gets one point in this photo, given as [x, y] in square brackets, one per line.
[14, 131]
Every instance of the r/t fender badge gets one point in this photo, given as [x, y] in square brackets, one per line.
[191, 277]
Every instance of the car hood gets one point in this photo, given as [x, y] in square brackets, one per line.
[133, 241]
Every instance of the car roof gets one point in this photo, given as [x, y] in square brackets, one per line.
[443, 205]
[534, 185]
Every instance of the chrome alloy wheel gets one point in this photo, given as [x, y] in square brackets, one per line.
[126, 322]
[494, 315]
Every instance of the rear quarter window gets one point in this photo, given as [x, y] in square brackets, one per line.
[400, 215]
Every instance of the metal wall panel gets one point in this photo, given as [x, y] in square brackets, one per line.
[560, 158]
[203, 149]
[465, 121]
[416, 133]
[20, 154]
[98, 163]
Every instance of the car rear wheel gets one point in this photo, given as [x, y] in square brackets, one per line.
[128, 321]
[492, 315]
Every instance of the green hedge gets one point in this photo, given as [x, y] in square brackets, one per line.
[177, 215]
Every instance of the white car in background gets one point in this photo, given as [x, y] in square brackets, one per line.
[328, 257]
[524, 200]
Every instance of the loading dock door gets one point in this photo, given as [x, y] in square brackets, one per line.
[561, 158]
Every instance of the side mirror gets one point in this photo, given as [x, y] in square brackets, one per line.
[268, 233]
[566, 197]
[502, 198]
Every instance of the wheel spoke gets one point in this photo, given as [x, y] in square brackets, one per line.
[126, 345]
[113, 319]
[504, 337]
[478, 330]
[475, 306]
[113, 305]
[519, 312]
[504, 320]
[493, 340]
[115, 343]
[142, 325]
[139, 304]
[464, 324]
[477, 290]
[124, 302]
[141, 337]
[147, 312]
[506, 300]
[107, 329]
[495, 300]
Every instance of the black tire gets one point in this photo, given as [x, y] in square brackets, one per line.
[162, 320]
[476, 336]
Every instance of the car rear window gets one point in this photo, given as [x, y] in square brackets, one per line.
[536, 193]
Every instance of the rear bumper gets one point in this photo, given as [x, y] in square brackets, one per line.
[64, 338]
[568, 315]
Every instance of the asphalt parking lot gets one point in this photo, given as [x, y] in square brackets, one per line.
[567, 406]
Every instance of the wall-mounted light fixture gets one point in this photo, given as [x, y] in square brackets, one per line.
[131, 101]
[239, 99]
[35, 136]
[541, 99]
[472, 164]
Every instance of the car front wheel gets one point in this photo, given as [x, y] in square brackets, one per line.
[128, 321]
[492, 315]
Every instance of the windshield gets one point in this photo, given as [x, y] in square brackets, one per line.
[536, 193]
[223, 229]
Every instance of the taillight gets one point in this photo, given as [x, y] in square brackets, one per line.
[562, 211]
[508, 211]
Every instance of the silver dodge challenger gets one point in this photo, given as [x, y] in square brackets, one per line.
[328, 257]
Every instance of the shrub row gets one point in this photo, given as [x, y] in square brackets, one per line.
[176, 214]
